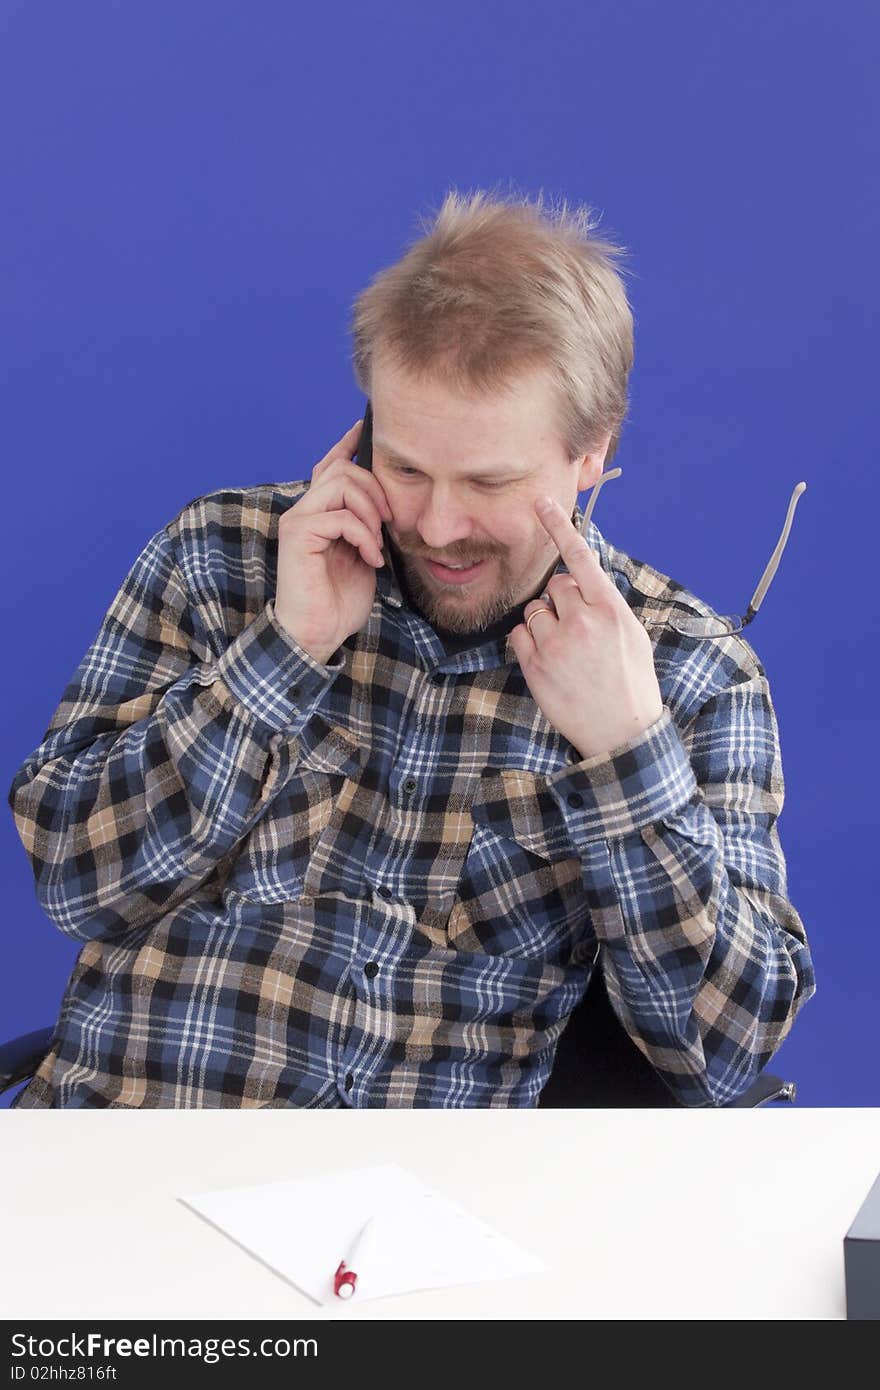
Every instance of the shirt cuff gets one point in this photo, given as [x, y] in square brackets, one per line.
[268, 672]
[614, 794]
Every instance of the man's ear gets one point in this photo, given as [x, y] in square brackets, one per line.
[592, 465]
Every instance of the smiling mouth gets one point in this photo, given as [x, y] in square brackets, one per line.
[446, 565]
[454, 574]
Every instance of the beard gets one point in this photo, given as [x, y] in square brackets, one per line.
[453, 609]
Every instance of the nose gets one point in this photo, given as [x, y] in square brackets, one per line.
[442, 521]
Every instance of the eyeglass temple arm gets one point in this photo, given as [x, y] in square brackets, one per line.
[773, 563]
[604, 478]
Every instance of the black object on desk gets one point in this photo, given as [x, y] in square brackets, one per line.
[861, 1258]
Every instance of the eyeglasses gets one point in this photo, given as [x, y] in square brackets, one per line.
[689, 624]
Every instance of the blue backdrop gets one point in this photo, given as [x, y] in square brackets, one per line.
[194, 191]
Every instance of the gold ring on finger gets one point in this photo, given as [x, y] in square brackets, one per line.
[538, 611]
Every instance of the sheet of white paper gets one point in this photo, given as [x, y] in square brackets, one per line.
[421, 1239]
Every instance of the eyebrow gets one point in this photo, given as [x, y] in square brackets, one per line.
[510, 470]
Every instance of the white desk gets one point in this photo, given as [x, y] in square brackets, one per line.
[639, 1214]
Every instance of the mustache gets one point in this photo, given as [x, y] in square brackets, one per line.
[413, 551]
[464, 560]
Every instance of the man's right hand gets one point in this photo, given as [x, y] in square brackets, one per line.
[329, 548]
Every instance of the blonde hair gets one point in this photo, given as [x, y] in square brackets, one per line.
[500, 285]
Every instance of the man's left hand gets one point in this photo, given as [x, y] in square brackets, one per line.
[589, 665]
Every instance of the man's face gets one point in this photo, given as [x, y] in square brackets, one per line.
[461, 476]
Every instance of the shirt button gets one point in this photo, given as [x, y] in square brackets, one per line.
[293, 692]
[371, 969]
[410, 784]
[384, 892]
[349, 1081]
[575, 799]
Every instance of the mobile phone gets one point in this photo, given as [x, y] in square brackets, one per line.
[364, 457]
[364, 454]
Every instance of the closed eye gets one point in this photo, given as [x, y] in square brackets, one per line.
[403, 470]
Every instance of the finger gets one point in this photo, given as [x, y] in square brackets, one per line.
[339, 467]
[343, 491]
[523, 644]
[544, 624]
[344, 525]
[346, 446]
[538, 605]
[565, 594]
[580, 559]
[365, 478]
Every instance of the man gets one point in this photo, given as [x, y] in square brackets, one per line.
[363, 777]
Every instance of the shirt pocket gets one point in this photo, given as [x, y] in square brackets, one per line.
[274, 859]
[521, 890]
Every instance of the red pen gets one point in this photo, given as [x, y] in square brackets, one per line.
[346, 1277]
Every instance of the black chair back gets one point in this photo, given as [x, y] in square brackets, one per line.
[598, 1064]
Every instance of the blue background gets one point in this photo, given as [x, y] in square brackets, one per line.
[193, 193]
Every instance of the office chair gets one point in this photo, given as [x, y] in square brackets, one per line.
[597, 1064]
[20, 1057]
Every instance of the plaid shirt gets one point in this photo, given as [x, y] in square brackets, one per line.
[385, 881]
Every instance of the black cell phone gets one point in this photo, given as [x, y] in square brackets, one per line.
[364, 455]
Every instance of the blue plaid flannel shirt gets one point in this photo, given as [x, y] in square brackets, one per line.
[385, 881]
